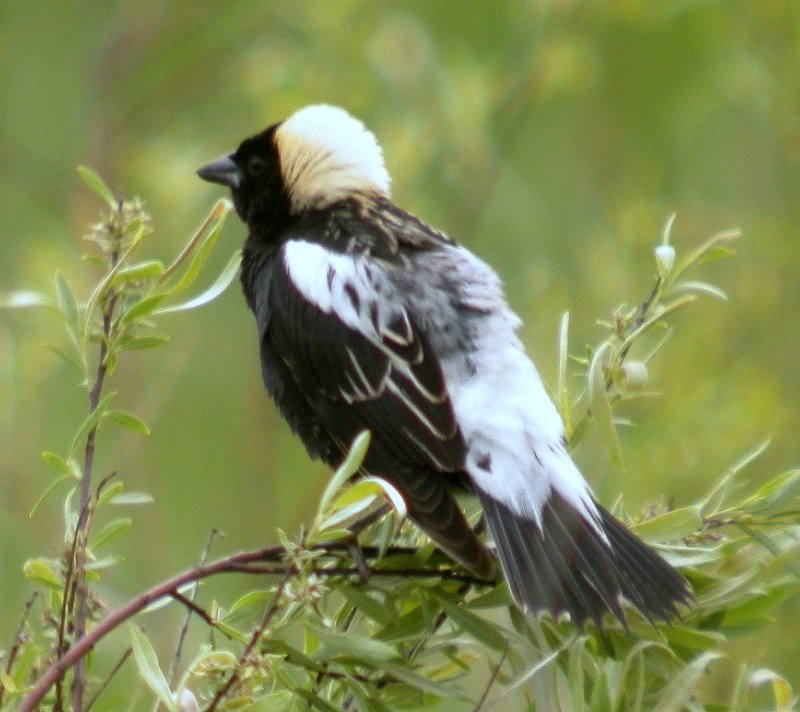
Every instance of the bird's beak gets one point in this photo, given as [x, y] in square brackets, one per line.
[223, 171]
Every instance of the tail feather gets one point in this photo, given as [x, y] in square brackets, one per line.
[432, 506]
[568, 565]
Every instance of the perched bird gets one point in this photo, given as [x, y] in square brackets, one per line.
[370, 319]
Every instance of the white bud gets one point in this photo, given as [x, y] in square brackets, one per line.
[665, 259]
[186, 701]
[631, 376]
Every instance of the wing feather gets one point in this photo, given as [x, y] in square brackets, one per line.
[356, 354]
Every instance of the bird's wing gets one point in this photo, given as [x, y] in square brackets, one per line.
[360, 360]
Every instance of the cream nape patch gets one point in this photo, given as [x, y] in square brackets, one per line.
[327, 156]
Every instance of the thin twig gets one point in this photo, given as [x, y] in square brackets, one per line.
[490, 683]
[110, 675]
[81, 592]
[176, 660]
[18, 641]
[257, 633]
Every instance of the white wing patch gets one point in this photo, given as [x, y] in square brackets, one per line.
[338, 284]
[327, 155]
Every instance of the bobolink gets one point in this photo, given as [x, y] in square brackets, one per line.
[370, 319]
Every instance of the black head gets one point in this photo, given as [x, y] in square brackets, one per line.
[253, 173]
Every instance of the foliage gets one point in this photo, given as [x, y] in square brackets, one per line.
[359, 611]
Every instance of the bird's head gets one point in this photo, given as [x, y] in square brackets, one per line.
[317, 157]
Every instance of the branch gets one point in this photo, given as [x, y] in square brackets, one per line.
[243, 562]
[82, 527]
[18, 641]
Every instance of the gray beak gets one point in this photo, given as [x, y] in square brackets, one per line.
[223, 171]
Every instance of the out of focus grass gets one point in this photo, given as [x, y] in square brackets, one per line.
[553, 138]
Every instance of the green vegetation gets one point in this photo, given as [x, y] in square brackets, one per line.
[553, 139]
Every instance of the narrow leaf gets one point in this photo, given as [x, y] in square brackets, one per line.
[353, 645]
[66, 300]
[601, 407]
[691, 287]
[57, 462]
[97, 184]
[89, 424]
[670, 526]
[41, 571]
[220, 285]
[484, 631]
[128, 420]
[143, 342]
[351, 464]
[132, 498]
[149, 269]
[110, 531]
[405, 674]
[682, 687]
[145, 307]
[149, 669]
[55, 483]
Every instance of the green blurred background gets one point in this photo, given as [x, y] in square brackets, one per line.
[553, 138]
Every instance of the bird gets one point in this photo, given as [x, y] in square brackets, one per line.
[370, 319]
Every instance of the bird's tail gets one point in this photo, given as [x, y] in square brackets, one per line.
[432, 506]
[567, 565]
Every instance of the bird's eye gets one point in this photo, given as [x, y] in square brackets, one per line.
[255, 166]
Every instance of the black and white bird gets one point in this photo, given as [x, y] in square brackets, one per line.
[370, 319]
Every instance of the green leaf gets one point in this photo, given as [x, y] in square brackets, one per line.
[143, 342]
[352, 645]
[670, 526]
[145, 307]
[498, 596]
[110, 531]
[692, 638]
[251, 599]
[352, 463]
[692, 287]
[89, 424]
[7, 683]
[58, 463]
[55, 483]
[776, 493]
[132, 498]
[408, 626]
[279, 701]
[41, 570]
[403, 673]
[149, 669]
[98, 185]
[66, 301]
[483, 631]
[109, 493]
[201, 255]
[128, 420]
[315, 701]
[149, 269]
[601, 407]
[781, 689]
[220, 285]
[368, 605]
[682, 687]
